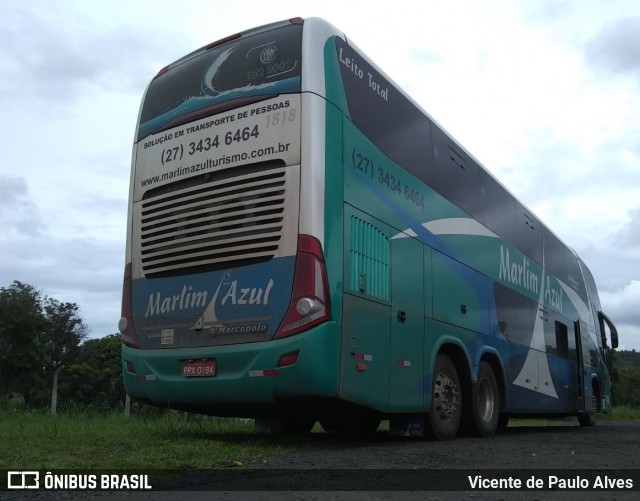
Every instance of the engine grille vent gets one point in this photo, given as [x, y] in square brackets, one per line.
[222, 219]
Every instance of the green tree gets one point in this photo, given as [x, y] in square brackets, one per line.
[37, 336]
[94, 378]
[628, 389]
[65, 330]
[614, 374]
[21, 322]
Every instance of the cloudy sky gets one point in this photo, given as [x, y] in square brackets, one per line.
[544, 93]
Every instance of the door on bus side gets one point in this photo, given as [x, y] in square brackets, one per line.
[584, 390]
[366, 309]
[383, 316]
[406, 352]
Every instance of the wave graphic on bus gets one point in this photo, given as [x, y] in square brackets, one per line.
[198, 103]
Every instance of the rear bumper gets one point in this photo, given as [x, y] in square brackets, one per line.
[247, 378]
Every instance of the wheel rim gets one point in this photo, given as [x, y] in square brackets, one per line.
[446, 396]
[486, 400]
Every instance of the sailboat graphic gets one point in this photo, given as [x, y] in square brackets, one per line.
[536, 366]
[209, 316]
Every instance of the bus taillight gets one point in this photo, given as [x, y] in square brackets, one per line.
[125, 325]
[309, 304]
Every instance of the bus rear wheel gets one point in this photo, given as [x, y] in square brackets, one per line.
[482, 404]
[443, 418]
[589, 418]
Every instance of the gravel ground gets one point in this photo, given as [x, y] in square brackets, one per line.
[333, 467]
[608, 445]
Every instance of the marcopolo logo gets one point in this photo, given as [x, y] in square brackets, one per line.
[23, 480]
[268, 54]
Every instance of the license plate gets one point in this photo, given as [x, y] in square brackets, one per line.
[199, 368]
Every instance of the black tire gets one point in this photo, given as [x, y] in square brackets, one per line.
[445, 411]
[589, 418]
[482, 404]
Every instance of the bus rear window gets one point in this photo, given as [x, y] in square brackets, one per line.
[266, 63]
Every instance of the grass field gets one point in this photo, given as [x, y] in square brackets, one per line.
[621, 413]
[37, 440]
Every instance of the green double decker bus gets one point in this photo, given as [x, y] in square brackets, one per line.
[304, 244]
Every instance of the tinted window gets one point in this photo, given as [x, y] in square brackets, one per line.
[392, 122]
[454, 174]
[516, 314]
[561, 262]
[499, 211]
[405, 134]
[262, 64]
[557, 341]
[526, 233]
[591, 284]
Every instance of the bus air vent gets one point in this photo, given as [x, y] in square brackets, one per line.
[233, 217]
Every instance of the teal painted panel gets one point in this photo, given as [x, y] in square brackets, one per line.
[406, 362]
[460, 294]
[316, 372]
[368, 259]
[428, 282]
[364, 374]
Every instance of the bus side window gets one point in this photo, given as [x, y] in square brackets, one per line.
[562, 341]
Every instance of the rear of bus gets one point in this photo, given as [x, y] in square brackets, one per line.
[225, 299]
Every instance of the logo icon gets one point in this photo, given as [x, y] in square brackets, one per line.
[23, 480]
[268, 54]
